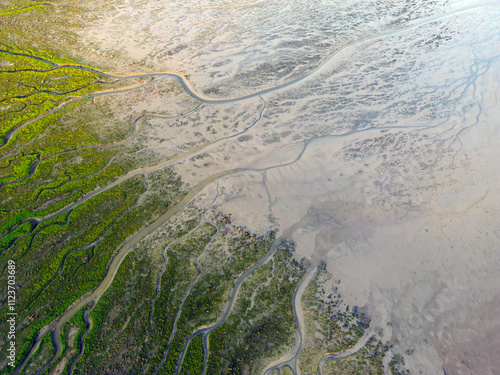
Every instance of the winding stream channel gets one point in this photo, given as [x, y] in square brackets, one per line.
[347, 353]
[91, 298]
[291, 359]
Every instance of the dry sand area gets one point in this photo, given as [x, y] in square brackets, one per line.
[384, 163]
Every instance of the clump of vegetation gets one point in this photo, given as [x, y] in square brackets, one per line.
[367, 361]
[397, 365]
[193, 361]
[71, 337]
[227, 257]
[331, 326]
[262, 323]
[31, 87]
[340, 325]
[44, 353]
